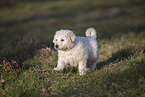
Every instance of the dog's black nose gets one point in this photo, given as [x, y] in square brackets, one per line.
[56, 46]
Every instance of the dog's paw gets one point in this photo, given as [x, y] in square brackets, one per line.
[82, 73]
[58, 69]
[55, 69]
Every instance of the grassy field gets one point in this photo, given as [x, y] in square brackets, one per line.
[27, 56]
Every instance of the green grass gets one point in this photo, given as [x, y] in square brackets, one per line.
[26, 32]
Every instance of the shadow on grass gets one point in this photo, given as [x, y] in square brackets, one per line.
[23, 49]
[117, 57]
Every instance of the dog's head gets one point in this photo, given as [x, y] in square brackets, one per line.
[64, 40]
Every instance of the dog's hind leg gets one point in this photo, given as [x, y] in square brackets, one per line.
[93, 66]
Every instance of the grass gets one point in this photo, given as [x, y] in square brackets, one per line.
[26, 32]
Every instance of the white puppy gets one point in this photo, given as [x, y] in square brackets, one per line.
[75, 51]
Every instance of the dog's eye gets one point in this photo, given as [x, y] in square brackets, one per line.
[62, 39]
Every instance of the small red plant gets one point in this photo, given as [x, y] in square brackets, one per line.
[6, 65]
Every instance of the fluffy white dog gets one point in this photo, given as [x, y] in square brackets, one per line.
[82, 51]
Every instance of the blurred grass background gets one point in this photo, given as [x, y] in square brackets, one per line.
[27, 28]
[40, 19]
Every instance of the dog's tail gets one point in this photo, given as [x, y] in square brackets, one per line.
[91, 32]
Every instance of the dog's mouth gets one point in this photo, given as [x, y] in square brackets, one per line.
[57, 47]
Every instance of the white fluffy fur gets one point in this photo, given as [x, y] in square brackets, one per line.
[82, 51]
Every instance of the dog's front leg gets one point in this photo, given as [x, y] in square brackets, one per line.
[60, 65]
[82, 67]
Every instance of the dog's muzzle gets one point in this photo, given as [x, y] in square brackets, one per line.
[56, 46]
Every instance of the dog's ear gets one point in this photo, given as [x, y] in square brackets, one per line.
[71, 36]
[53, 41]
[55, 35]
